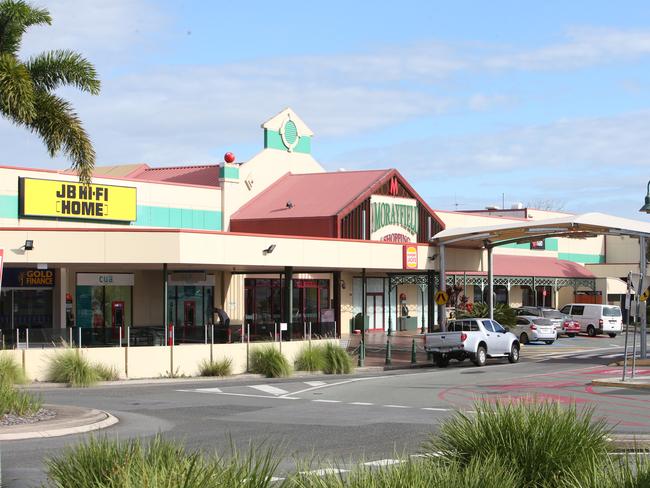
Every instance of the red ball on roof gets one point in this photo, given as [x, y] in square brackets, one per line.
[229, 157]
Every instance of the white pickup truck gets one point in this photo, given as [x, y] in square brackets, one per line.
[473, 338]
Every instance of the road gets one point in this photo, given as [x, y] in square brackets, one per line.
[346, 419]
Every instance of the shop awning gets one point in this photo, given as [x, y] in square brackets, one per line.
[547, 267]
[616, 286]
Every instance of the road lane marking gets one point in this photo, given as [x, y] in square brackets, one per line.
[270, 389]
[209, 390]
[396, 406]
[612, 356]
[365, 404]
[437, 409]
[326, 401]
[326, 471]
[249, 395]
[315, 383]
[384, 462]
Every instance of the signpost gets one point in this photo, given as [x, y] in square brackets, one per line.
[442, 297]
[2, 255]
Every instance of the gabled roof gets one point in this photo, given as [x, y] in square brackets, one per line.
[538, 266]
[275, 122]
[310, 195]
[206, 175]
[203, 174]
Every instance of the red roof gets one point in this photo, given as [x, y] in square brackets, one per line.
[310, 195]
[509, 265]
[206, 175]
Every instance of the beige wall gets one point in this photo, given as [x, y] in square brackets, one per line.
[155, 361]
[203, 248]
[515, 296]
[622, 250]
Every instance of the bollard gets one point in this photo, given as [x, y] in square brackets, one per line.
[389, 359]
[362, 354]
[413, 353]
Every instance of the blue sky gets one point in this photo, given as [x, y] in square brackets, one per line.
[545, 102]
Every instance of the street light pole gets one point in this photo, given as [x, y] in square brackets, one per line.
[643, 271]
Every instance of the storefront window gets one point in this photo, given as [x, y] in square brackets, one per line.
[264, 300]
[26, 300]
[190, 305]
[104, 300]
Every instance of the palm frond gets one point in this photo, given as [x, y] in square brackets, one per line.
[15, 17]
[60, 128]
[63, 67]
[16, 90]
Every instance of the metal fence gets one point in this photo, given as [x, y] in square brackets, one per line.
[41, 338]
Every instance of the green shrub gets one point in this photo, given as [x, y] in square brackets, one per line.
[270, 362]
[71, 367]
[222, 367]
[10, 371]
[546, 443]
[17, 402]
[337, 360]
[107, 463]
[310, 358]
[503, 313]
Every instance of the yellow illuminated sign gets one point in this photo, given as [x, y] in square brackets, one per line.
[66, 199]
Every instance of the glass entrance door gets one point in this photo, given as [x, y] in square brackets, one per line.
[375, 311]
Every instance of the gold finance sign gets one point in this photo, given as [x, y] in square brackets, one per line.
[65, 199]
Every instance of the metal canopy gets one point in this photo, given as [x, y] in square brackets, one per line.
[571, 226]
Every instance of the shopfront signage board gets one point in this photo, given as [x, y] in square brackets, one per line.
[72, 200]
[105, 279]
[393, 219]
[410, 257]
[28, 278]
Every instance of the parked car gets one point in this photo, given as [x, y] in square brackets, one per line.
[530, 328]
[595, 318]
[561, 321]
[476, 338]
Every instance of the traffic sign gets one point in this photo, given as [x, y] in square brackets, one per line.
[442, 297]
[645, 295]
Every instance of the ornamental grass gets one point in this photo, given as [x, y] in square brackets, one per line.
[269, 362]
[310, 358]
[337, 360]
[220, 367]
[547, 444]
[10, 371]
[71, 367]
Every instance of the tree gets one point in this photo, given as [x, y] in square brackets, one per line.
[27, 88]
[546, 204]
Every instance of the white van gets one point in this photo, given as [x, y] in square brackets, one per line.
[596, 319]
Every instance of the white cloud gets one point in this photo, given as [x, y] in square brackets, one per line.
[95, 28]
[584, 47]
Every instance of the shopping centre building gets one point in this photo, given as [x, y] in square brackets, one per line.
[275, 239]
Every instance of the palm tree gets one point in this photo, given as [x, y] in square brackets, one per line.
[27, 88]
